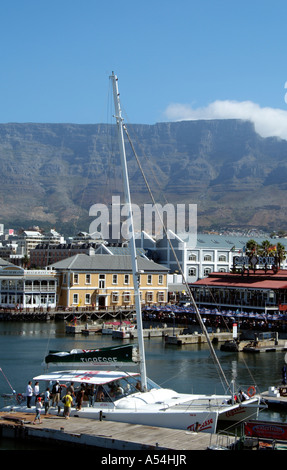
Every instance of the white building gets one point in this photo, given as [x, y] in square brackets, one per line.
[22, 288]
[201, 256]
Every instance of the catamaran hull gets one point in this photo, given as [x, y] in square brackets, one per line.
[194, 422]
[204, 421]
[242, 412]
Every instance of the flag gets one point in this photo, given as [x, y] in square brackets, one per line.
[272, 248]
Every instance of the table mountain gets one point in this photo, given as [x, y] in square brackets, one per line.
[52, 173]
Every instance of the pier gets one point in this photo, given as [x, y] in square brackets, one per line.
[64, 314]
[197, 338]
[263, 342]
[88, 433]
[275, 397]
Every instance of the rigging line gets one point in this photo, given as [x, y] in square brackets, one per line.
[227, 327]
[181, 272]
[188, 289]
[7, 380]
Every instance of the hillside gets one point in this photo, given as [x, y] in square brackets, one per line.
[52, 173]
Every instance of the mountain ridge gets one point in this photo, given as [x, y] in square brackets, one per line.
[51, 174]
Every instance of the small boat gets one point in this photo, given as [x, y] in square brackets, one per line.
[107, 329]
[110, 327]
[123, 332]
[110, 355]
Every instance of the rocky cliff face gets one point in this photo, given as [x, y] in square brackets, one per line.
[52, 173]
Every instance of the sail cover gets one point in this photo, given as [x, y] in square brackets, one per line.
[102, 356]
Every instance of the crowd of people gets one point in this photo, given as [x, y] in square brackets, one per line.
[214, 321]
[69, 396]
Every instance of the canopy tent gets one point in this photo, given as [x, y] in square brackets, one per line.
[226, 313]
[94, 377]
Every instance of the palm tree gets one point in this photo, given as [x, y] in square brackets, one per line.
[251, 247]
[281, 253]
[25, 261]
[265, 248]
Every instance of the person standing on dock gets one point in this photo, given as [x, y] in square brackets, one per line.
[38, 411]
[67, 400]
[80, 397]
[56, 391]
[71, 389]
[47, 400]
[29, 394]
[36, 391]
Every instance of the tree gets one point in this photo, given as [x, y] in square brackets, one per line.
[251, 247]
[265, 248]
[281, 253]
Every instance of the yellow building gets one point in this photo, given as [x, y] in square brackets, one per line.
[105, 281]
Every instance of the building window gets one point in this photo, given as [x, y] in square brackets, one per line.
[75, 299]
[102, 281]
[149, 279]
[127, 279]
[160, 296]
[51, 299]
[192, 257]
[115, 278]
[76, 278]
[206, 271]
[88, 279]
[192, 272]
[87, 298]
[222, 258]
[160, 279]
[149, 297]
[207, 258]
[115, 297]
[126, 297]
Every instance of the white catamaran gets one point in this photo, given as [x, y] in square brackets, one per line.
[129, 396]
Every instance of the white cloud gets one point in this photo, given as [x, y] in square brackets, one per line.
[268, 122]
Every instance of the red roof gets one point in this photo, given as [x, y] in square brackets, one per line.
[257, 280]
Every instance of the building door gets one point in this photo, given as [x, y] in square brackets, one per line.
[101, 301]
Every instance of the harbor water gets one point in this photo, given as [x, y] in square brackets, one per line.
[188, 369]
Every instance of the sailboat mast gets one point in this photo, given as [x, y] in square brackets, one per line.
[119, 120]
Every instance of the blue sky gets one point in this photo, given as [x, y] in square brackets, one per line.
[175, 60]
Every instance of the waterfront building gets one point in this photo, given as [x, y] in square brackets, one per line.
[258, 291]
[103, 281]
[22, 288]
[201, 254]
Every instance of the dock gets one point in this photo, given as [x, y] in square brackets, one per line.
[157, 332]
[97, 329]
[260, 344]
[275, 397]
[197, 338]
[271, 346]
[105, 435]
